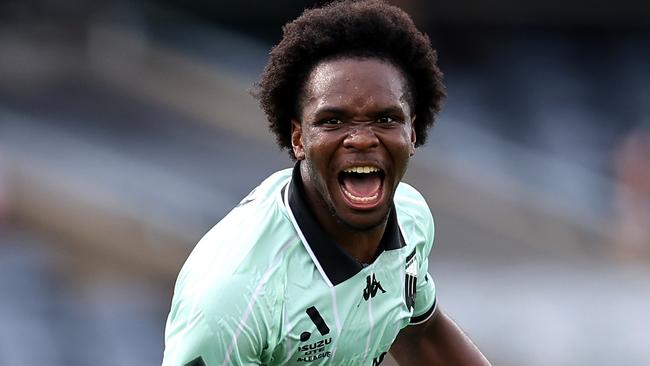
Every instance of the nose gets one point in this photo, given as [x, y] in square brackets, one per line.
[361, 137]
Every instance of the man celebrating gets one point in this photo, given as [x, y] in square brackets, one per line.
[326, 263]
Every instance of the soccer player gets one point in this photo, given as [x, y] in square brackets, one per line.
[326, 263]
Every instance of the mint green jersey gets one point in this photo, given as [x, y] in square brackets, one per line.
[267, 286]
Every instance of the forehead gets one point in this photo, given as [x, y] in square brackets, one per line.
[348, 79]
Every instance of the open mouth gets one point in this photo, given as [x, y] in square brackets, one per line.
[362, 185]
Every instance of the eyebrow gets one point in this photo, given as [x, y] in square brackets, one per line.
[342, 111]
[330, 110]
[390, 110]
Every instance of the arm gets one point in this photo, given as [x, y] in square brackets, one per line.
[438, 341]
[220, 325]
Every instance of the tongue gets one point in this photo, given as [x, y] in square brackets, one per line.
[362, 185]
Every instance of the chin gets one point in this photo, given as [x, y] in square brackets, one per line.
[365, 224]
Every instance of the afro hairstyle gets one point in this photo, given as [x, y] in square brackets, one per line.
[349, 28]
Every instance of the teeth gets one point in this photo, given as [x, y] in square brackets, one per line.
[362, 169]
[360, 199]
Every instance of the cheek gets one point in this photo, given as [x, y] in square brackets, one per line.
[402, 143]
[399, 147]
[320, 145]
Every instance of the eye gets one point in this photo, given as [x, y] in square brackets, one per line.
[386, 119]
[331, 122]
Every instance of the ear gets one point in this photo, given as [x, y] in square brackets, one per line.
[296, 140]
[413, 136]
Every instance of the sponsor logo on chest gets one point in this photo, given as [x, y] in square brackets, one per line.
[318, 349]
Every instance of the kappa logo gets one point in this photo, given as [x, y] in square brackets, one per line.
[372, 286]
[410, 280]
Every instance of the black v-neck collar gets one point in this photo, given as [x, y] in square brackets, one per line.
[337, 265]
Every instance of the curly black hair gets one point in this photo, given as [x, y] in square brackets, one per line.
[349, 28]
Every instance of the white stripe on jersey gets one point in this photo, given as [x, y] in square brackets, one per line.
[371, 322]
[249, 308]
[289, 347]
[302, 237]
[335, 307]
[337, 319]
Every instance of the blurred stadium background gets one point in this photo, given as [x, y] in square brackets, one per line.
[126, 132]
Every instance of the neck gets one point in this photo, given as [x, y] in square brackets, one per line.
[362, 245]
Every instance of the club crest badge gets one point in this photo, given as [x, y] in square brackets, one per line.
[410, 280]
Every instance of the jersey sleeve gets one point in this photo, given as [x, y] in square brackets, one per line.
[425, 294]
[226, 324]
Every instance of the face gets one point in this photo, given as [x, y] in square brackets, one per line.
[355, 137]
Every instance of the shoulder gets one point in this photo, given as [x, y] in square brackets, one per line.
[411, 206]
[242, 251]
[414, 216]
[230, 292]
[247, 225]
[408, 198]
